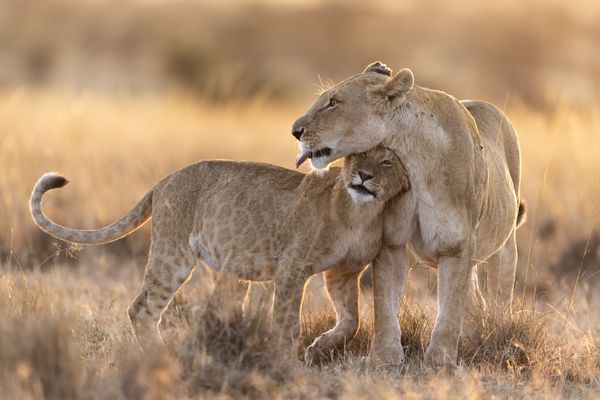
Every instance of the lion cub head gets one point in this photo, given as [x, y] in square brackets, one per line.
[350, 117]
[375, 175]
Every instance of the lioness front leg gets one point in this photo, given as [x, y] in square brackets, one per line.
[289, 290]
[343, 288]
[453, 280]
[390, 270]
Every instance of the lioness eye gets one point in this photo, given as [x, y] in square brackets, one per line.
[386, 163]
[332, 103]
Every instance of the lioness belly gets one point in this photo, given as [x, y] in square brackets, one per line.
[499, 212]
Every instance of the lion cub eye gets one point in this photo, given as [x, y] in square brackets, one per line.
[332, 103]
[386, 163]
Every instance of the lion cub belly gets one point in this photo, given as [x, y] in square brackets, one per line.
[239, 254]
[245, 243]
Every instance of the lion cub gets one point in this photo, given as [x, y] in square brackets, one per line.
[256, 221]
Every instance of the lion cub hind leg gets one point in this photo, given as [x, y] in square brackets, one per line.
[165, 274]
[343, 289]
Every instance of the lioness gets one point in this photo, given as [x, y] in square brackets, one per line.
[258, 222]
[463, 162]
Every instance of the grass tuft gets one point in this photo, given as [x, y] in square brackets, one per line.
[233, 352]
[37, 356]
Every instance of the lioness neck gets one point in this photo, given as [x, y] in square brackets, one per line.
[425, 135]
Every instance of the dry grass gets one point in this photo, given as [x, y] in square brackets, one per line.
[62, 341]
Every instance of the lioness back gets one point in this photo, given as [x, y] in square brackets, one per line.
[497, 131]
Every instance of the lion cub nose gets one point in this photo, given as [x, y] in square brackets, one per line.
[365, 176]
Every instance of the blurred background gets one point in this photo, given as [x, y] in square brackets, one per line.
[116, 94]
[539, 51]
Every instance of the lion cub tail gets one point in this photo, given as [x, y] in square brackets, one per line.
[123, 227]
[522, 214]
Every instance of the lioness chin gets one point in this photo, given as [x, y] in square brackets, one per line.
[256, 222]
[463, 161]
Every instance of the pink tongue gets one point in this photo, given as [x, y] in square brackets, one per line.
[301, 158]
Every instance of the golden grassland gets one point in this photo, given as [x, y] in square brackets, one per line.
[63, 326]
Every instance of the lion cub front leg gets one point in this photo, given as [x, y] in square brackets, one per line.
[390, 270]
[289, 291]
[343, 289]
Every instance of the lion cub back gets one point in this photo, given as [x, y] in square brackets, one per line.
[232, 214]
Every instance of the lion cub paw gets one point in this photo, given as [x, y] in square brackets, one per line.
[316, 354]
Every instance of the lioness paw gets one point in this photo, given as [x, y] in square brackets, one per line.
[440, 358]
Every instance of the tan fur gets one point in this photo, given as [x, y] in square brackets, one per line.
[463, 160]
[255, 222]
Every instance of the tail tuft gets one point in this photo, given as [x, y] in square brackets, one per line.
[522, 214]
[50, 181]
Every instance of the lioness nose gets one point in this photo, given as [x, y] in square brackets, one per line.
[298, 128]
[365, 176]
[297, 132]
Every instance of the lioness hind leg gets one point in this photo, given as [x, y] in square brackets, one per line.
[476, 304]
[161, 281]
[343, 289]
[476, 300]
[501, 273]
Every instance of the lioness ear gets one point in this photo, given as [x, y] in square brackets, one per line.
[379, 68]
[401, 83]
[392, 93]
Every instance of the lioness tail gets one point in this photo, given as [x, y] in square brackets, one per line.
[123, 227]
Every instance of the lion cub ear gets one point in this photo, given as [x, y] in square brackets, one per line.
[404, 183]
[391, 94]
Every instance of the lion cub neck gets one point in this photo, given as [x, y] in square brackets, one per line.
[329, 187]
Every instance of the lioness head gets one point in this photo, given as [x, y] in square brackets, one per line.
[374, 175]
[350, 117]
